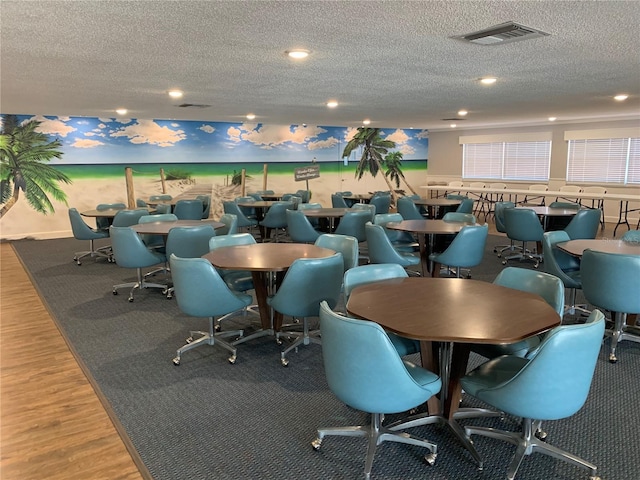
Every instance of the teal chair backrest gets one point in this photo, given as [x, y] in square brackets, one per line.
[459, 217]
[206, 205]
[466, 206]
[584, 224]
[522, 224]
[308, 282]
[467, 247]
[554, 384]
[163, 217]
[230, 224]
[220, 241]
[559, 263]
[548, 286]
[381, 249]
[369, 207]
[366, 274]
[232, 208]
[276, 216]
[408, 209]
[189, 209]
[189, 242]
[353, 222]
[160, 197]
[363, 368]
[345, 244]
[299, 227]
[381, 202]
[569, 205]
[130, 251]
[200, 290]
[610, 280]
[337, 201]
[82, 231]
[499, 214]
[126, 218]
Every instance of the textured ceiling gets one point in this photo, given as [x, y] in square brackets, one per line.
[392, 61]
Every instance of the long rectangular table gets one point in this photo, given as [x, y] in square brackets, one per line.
[624, 199]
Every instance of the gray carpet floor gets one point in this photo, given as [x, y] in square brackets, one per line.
[256, 419]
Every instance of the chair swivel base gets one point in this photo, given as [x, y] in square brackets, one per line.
[526, 444]
[140, 284]
[377, 434]
[103, 252]
[619, 332]
[536, 258]
[209, 338]
[301, 338]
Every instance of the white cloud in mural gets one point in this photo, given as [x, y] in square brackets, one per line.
[328, 143]
[124, 121]
[175, 125]
[64, 119]
[399, 137]
[207, 128]
[147, 131]
[101, 126]
[349, 134]
[81, 122]
[275, 135]
[52, 127]
[423, 134]
[234, 134]
[406, 149]
[86, 143]
[105, 120]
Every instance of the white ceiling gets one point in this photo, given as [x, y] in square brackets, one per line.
[391, 61]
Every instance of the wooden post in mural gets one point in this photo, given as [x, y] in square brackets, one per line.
[265, 169]
[131, 197]
[164, 186]
[242, 180]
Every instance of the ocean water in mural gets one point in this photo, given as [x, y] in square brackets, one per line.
[90, 141]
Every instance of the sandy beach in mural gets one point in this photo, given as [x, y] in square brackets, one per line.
[84, 194]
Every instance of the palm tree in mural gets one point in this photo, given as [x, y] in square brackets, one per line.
[393, 165]
[374, 149]
[24, 153]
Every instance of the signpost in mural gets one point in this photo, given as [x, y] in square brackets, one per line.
[265, 168]
[306, 173]
[131, 197]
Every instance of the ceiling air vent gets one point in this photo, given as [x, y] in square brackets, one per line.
[503, 33]
[453, 119]
[193, 105]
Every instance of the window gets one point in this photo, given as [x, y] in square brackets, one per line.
[507, 157]
[604, 156]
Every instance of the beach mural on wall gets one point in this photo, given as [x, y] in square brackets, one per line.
[95, 151]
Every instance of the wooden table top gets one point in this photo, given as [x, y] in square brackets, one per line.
[577, 247]
[437, 202]
[162, 228]
[325, 212]
[551, 212]
[257, 204]
[265, 257]
[453, 310]
[427, 226]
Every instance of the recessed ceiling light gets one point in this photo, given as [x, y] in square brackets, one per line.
[175, 93]
[453, 125]
[332, 104]
[488, 80]
[366, 122]
[462, 113]
[298, 54]
[552, 119]
[621, 97]
[251, 116]
[121, 111]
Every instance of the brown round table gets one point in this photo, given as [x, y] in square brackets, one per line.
[576, 247]
[423, 228]
[261, 259]
[545, 212]
[447, 315]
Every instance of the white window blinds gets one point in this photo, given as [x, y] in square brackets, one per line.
[514, 160]
[604, 160]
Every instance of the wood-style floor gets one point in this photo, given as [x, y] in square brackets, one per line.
[52, 424]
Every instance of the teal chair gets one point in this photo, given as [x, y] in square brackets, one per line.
[126, 218]
[337, 201]
[402, 241]
[141, 203]
[353, 224]
[299, 228]
[307, 282]
[466, 250]
[381, 249]
[249, 212]
[232, 208]
[610, 281]
[189, 209]
[369, 207]
[364, 371]
[201, 292]
[632, 236]
[466, 206]
[188, 242]
[366, 274]
[276, 220]
[408, 209]
[163, 197]
[382, 202]
[560, 222]
[206, 205]
[523, 225]
[498, 215]
[82, 231]
[311, 206]
[129, 251]
[584, 224]
[552, 385]
[156, 241]
[345, 244]
[565, 267]
[305, 195]
[230, 224]
[459, 217]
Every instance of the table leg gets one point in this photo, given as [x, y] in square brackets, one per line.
[260, 285]
[424, 254]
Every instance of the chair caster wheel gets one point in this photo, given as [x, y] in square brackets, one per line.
[217, 328]
[130, 299]
[430, 458]
[279, 341]
[316, 444]
[189, 339]
[176, 361]
[613, 358]
[504, 262]
[541, 435]
[232, 359]
[115, 292]
[284, 362]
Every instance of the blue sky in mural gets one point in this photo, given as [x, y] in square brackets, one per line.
[90, 140]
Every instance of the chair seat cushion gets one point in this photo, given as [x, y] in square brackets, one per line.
[426, 379]
[238, 280]
[492, 374]
[404, 346]
[519, 349]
